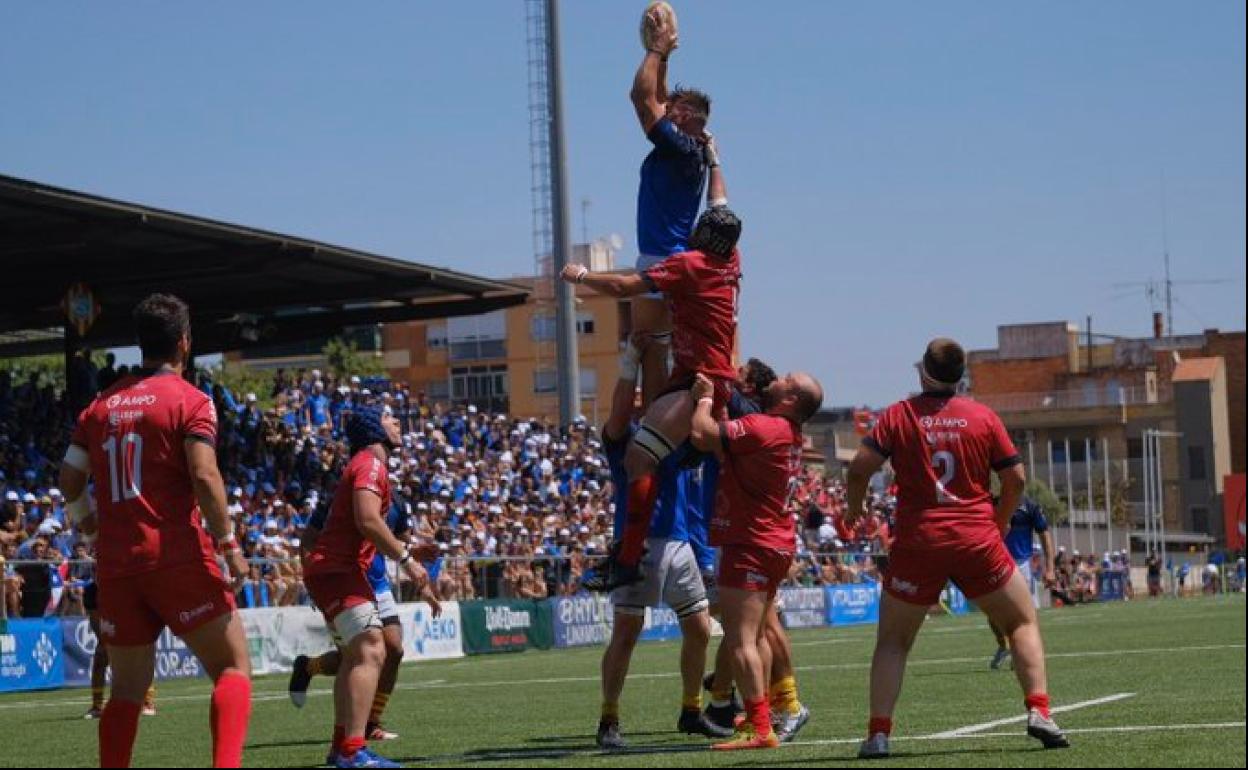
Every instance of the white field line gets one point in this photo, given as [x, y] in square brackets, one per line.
[436, 684]
[979, 728]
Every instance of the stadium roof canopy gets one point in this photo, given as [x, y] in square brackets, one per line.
[246, 287]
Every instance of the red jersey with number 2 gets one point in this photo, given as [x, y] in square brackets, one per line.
[762, 459]
[703, 292]
[943, 450]
[135, 434]
[341, 547]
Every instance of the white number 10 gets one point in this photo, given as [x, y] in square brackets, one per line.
[125, 466]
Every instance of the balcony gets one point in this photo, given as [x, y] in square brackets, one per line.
[1084, 398]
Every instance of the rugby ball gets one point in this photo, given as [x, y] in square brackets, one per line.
[647, 29]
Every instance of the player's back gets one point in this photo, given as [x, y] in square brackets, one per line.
[943, 450]
[704, 293]
[135, 434]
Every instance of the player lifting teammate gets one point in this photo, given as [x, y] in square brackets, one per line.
[149, 441]
[943, 449]
[760, 457]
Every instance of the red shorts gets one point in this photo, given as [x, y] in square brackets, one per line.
[753, 568]
[918, 575]
[136, 608]
[679, 383]
[333, 592]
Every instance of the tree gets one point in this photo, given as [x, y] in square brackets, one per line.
[344, 360]
[1055, 509]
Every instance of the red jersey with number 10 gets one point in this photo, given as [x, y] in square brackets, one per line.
[341, 547]
[703, 292]
[943, 450]
[135, 434]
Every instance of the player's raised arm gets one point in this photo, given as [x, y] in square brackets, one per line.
[649, 92]
[716, 188]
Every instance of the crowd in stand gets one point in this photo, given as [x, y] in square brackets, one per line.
[519, 507]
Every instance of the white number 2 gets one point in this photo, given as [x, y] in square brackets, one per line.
[125, 466]
[948, 466]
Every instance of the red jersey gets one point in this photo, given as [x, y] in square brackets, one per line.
[762, 458]
[341, 547]
[702, 292]
[943, 451]
[134, 433]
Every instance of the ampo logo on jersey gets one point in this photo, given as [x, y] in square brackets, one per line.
[118, 401]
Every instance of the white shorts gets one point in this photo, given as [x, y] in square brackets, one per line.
[672, 578]
[644, 263]
[386, 606]
[352, 622]
[1024, 569]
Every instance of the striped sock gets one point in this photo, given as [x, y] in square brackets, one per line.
[691, 702]
[784, 696]
[314, 666]
[379, 706]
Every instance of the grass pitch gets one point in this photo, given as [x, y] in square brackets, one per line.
[1152, 683]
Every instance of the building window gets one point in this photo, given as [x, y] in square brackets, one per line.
[545, 381]
[1135, 449]
[435, 337]
[438, 390]
[589, 382]
[1196, 463]
[1200, 519]
[485, 386]
[542, 327]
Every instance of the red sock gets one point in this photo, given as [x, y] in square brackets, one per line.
[879, 725]
[1038, 701]
[231, 709]
[119, 725]
[340, 735]
[759, 713]
[352, 745]
[642, 493]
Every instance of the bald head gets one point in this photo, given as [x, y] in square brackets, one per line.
[796, 395]
[944, 362]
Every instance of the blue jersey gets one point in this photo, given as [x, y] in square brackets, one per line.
[672, 177]
[703, 483]
[400, 524]
[1027, 520]
[668, 521]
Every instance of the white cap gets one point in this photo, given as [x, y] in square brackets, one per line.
[11, 496]
[456, 543]
[564, 532]
[29, 498]
[251, 396]
[54, 492]
[355, 380]
[472, 409]
[584, 530]
[422, 506]
[49, 527]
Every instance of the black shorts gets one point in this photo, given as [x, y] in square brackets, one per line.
[90, 599]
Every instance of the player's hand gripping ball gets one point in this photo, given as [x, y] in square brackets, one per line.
[658, 28]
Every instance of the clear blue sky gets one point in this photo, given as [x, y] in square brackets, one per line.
[904, 169]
